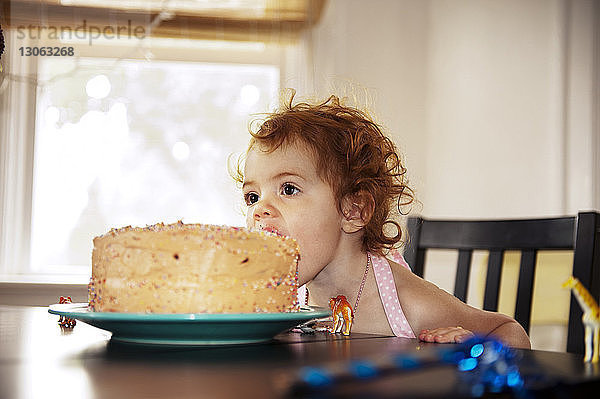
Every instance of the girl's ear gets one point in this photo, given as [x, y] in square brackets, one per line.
[357, 210]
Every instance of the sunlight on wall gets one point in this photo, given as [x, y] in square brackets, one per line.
[550, 301]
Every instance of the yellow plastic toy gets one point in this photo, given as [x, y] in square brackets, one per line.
[590, 319]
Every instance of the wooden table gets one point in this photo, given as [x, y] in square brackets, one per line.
[39, 360]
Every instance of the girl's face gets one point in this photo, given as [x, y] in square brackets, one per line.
[285, 195]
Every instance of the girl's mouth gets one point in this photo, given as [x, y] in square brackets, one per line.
[273, 230]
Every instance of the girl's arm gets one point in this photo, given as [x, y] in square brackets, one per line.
[510, 332]
[448, 319]
[513, 333]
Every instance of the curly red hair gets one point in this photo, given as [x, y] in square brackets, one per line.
[352, 155]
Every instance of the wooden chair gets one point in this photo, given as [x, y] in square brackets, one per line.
[580, 234]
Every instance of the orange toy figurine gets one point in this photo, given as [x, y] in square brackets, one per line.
[342, 314]
[63, 321]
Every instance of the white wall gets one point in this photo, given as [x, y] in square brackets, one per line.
[492, 102]
[377, 51]
[582, 106]
[494, 134]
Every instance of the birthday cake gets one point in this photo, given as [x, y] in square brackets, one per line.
[193, 268]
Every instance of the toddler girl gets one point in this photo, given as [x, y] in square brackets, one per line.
[326, 175]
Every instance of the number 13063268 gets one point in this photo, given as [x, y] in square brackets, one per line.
[47, 51]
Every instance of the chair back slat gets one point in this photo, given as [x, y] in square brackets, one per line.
[463, 271]
[492, 280]
[525, 288]
[414, 254]
[419, 263]
[556, 233]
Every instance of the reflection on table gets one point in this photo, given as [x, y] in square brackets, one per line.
[39, 359]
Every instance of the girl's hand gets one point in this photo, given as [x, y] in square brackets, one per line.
[445, 335]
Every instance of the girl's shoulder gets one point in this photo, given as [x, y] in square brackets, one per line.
[409, 285]
[416, 295]
[401, 269]
[399, 265]
[404, 278]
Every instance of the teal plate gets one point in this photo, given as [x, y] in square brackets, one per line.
[196, 329]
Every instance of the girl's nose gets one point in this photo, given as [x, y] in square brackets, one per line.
[264, 210]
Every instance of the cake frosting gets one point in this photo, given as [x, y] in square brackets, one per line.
[193, 268]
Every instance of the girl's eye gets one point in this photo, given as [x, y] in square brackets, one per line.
[289, 189]
[250, 198]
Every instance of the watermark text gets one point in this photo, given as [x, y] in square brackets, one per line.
[84, 31]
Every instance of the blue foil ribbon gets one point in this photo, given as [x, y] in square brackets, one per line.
[487, 365]
[484, 365]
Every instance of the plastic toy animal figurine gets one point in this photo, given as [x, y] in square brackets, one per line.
[590, 319]
[64, 321]
[342, 315]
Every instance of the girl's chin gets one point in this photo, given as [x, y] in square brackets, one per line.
[302, 279]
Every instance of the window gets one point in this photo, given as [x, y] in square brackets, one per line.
[135, 143]
[134, 140]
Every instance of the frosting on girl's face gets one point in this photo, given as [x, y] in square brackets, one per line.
[286, 196]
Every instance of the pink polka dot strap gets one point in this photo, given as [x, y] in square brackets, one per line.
[397, 257]
[389, 296]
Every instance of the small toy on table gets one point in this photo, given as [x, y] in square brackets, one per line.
[342, 315]
[590, 319]
[64, 321]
